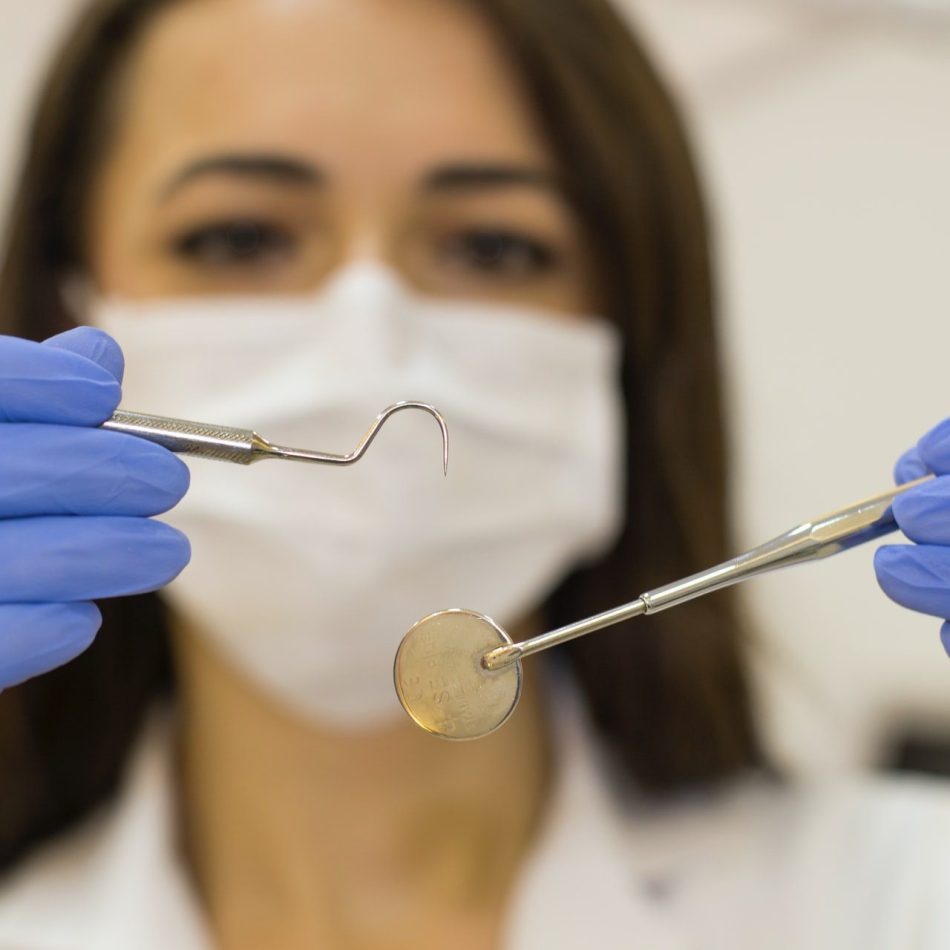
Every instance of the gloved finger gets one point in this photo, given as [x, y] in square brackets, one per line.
[73, 470]
[72, 559]
[916, 576]
[36, 638]
[923, 513]
[40, 383]
[94, 344]
[945, 637]
[934, 448]
[910, 466]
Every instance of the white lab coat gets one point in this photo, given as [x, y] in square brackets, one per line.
[855, 866]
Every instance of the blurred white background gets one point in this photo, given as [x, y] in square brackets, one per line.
[824, 132]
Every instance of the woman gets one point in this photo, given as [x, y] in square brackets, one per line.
[291, 213]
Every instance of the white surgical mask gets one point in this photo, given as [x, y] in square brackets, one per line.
[305, 577]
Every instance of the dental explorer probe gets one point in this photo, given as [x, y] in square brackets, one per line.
[244, 446]
[458, 674]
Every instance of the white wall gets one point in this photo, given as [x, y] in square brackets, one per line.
[26, 34]
[825, 137]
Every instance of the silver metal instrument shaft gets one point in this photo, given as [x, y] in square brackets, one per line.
[819, 538]
[244, 446]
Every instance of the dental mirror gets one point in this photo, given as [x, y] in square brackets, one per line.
[442, 682]
[458, 674]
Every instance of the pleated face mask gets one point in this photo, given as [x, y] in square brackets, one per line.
[305, 577]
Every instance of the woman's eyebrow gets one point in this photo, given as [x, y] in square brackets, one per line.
[279, 169]
[469, 175]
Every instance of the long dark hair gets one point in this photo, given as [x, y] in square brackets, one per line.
[671, 698]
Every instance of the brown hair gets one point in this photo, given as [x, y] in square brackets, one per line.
[671, 697]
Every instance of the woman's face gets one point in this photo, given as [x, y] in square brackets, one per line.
[262, 144]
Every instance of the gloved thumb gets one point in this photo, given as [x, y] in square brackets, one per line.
[910, 466]
[93, 344]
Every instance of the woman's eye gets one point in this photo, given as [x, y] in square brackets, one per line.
[496, 252]
[234, 244]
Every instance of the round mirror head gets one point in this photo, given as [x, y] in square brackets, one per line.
[441, 681]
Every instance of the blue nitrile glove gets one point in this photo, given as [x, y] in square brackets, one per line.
[918, 575]
[74, 500]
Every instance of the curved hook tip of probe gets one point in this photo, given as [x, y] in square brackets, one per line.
[392, 410]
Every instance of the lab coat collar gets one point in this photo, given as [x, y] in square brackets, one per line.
[119, 881]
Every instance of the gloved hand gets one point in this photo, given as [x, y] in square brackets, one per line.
[74, 500]
[918, 575]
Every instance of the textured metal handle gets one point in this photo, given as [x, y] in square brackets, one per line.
[223, 443]
[822, 537]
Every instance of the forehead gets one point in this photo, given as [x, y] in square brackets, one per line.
[351, 82]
